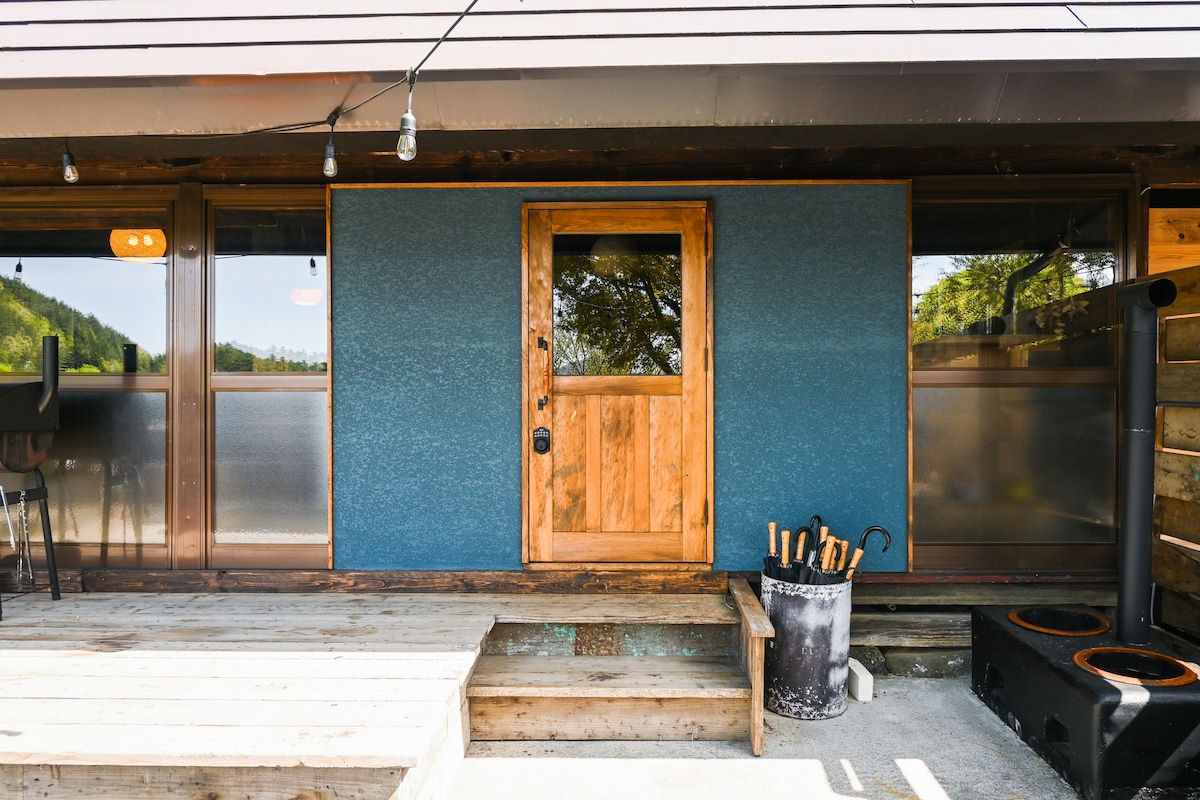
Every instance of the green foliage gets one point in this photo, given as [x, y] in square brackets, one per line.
[85, 343]
[974, 289]
[617, 315]
[227, 358]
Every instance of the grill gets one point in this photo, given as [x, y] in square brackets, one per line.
[28, 420]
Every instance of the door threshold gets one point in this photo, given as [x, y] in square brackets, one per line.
[580, 566]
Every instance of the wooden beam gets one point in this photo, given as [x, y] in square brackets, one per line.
[1177, 475]
[929, 629]
[1177, 384]
[1177, 518]
[755, 629]
[1187, 286]
[520, 582]
[211, 783]
[1181, 611]
[1098, 593]
[1177, 565]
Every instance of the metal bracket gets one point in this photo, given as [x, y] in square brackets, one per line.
[543, 344]
[542, 401]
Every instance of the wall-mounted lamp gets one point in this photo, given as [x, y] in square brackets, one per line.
[19, 268]
[312, 267]
[406, 148]
[70, 173]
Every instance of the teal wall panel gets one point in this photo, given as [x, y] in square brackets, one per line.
[810, 390]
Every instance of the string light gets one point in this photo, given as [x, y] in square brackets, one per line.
[70, 173]
[406, 147]
[329, 168]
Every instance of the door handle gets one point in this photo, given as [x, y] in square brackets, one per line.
[544, 400]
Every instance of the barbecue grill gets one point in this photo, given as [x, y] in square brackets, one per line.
[28, 420]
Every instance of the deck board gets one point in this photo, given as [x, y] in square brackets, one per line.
[608, 676]
[257, 693]
[262, 694]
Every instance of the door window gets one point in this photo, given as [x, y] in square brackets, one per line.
[618, 304]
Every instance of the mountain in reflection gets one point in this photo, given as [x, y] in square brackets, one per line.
[238, 357]
[85, 343]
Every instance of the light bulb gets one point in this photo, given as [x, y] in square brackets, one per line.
[70, 173]
[406, 148]
[330, 165]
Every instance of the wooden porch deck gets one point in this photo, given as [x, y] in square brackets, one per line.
[264, 695]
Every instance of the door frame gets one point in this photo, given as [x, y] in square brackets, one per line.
[528, 391]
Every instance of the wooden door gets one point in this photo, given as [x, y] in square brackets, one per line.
[617, 374]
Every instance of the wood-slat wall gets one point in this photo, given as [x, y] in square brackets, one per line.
[1174, 242]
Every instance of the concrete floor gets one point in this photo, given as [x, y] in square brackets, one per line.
[919, 739]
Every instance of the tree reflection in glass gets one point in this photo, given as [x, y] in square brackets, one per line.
[618, 301]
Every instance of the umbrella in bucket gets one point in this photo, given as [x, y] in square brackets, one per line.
[820, 558]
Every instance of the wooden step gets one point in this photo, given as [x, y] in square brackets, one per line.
[609, 697]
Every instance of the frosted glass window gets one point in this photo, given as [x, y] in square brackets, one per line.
[106, 470]
[1010, 465]
[271, 468]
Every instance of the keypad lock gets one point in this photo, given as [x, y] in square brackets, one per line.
[541, 441]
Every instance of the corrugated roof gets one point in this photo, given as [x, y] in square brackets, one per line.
[127, 67]
[67, 39]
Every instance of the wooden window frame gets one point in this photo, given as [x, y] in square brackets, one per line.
[1066, 558]
[57, 202]
[281, 556]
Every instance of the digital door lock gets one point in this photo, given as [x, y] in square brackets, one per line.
[541, 441]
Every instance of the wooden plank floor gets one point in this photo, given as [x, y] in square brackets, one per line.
[140, 696]
[264, 695]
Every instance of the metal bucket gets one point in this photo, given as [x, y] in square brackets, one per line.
[808, 661]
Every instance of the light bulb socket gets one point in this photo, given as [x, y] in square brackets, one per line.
[406, 148]
[70, 173]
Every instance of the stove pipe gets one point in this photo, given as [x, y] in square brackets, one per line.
[1139, 401]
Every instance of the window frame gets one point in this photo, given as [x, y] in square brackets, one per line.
[980, 557]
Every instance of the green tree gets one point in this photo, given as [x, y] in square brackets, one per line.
[618, 314]
[227, 358]
[85, 343]
[974, 289]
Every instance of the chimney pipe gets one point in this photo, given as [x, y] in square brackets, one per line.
[1139, 402]
[49, 373]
